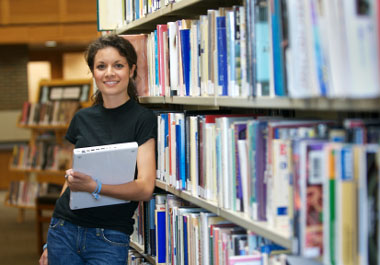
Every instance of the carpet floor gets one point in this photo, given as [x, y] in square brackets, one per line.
[17, 240]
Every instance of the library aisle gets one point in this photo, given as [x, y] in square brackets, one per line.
[17, 240]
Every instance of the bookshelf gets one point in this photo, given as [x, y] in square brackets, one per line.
[301, 91]
[320, 104]
[45, 158]
[235, 217]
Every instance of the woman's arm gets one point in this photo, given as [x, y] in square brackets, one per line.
[140, 189]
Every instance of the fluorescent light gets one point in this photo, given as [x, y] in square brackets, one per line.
[51, 43]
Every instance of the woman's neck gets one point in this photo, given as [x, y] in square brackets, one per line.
[114, 102]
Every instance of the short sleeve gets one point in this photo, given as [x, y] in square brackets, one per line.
[146, 127]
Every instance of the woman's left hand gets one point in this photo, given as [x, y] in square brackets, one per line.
[78, 181]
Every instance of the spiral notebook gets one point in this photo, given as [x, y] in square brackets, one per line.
[110, 164]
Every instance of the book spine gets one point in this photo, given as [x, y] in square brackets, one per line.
[186, 56]
[222, 55]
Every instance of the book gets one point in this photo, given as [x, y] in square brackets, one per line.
[173, 57]
[160, 236]
[186, 57]
[161, 28]
[139, 42]
[222, 55]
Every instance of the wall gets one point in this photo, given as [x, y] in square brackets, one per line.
[36, 72]
[75, 66]
[13, 76]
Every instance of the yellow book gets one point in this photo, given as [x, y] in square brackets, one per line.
[347, 207]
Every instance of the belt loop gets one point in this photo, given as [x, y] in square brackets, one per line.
[97, 231]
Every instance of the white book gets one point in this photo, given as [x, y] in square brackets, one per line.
[173, 55]
[340, 77]
[280, 189]
[204, 54]
[194, 72]
[210, 178]
[194, 155]
[363, 49]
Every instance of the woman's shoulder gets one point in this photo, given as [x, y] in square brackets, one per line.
[87, 110]
[144, 111]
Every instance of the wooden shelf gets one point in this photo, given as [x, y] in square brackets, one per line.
[140, 249]
[39, 171]
[171, 12]
[320, 104]
[260, 228]
[37, 127]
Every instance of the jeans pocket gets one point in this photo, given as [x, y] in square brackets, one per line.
[114, 237]
[55, 222]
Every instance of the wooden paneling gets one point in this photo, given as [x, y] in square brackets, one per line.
[36, 11]
[80, 10]
[66, 33]
[47, 11]
[37, 21]
[4, 11]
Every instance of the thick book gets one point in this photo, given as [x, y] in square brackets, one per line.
[139, 42]
[160, 221]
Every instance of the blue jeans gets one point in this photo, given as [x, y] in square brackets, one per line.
[76, 245]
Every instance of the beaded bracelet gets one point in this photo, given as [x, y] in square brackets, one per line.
[97, 190]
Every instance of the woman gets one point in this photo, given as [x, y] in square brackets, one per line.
[100, 235]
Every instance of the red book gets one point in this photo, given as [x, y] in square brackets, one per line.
[139, 42]
[161, 28]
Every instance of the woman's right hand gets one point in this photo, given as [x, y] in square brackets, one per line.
[44, 257]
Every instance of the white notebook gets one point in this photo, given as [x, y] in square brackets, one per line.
[110, 164]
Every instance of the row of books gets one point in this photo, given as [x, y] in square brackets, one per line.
[135, 258]
[113, 14]
[49, 113]
[43, 155]
[268, 48]
[274, 170]
[24, 193]
[186, 234]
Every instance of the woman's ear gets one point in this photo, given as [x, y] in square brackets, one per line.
[132, 71]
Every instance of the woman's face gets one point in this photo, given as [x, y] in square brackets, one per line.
[111, 72]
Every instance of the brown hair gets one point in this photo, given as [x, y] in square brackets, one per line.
[125, 49]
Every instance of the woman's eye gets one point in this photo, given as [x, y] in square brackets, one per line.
[119, 66]
[100, 67]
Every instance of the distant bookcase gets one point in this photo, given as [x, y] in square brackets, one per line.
[47, 155]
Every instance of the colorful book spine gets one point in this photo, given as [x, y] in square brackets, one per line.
[222, 55]
[186, 56]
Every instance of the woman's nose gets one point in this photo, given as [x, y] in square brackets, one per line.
[109, 71]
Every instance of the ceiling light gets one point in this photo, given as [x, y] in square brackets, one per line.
[51, 43]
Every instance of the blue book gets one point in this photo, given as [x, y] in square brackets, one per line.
[160, 236]
[181, 157]
[185, 247]
[137, 9]
[156, 58]
[222, 54]
[278, 52]
[186, 56]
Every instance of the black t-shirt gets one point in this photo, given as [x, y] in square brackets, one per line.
[97, 125]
